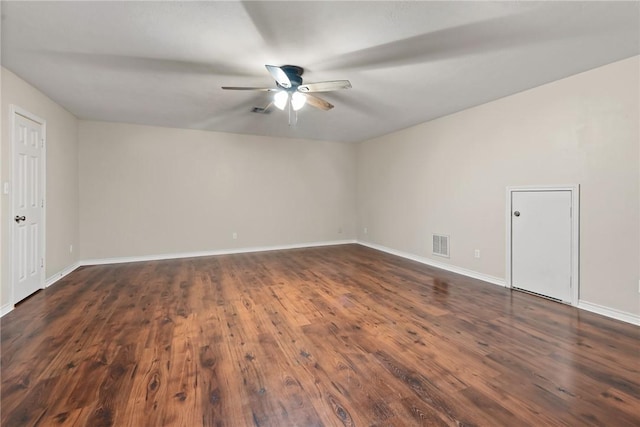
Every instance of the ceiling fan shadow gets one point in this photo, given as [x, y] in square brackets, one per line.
[258, 12]
[489, 35]
[362, 103]
[213, 120]
[115, 62]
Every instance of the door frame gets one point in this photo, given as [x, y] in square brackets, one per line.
[15, 110]
[575, 232]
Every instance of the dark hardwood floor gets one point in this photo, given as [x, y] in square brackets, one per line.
[323, 336]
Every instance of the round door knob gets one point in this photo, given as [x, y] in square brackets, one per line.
[19, 218]
[516, 213]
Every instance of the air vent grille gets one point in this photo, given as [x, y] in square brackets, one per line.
[441, 245]
[260, 110]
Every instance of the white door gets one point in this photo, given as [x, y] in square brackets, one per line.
[28, 206]
[541, 238]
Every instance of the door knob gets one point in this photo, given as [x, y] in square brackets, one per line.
[20, 218]
[516, 213]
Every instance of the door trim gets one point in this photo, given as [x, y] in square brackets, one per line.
[575, 233]
[13, 111]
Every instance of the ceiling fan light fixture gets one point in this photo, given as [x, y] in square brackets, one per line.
[298, 100]
[290, 94]
[280, 99]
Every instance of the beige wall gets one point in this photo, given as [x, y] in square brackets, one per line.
[450, 176]
[62, 177]
[152, 191]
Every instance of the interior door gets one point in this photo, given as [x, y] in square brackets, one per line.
[541, 228]
[28, 206]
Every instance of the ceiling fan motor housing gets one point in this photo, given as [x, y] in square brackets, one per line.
[295, 75]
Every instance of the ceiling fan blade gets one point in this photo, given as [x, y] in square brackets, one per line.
[319, 103]
[280, 76]
[325, 86]
[262, 110]
[261, 89]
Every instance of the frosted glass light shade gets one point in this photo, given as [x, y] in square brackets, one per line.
[298, 100]
[280, 99]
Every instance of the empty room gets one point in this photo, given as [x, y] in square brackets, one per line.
[320, 213]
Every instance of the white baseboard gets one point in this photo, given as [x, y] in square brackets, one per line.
[469, 273]
[6, 309]
[160, 257]
[60, 274]
[584, 305]
[609, 312]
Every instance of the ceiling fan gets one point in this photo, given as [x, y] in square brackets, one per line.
[291, 93]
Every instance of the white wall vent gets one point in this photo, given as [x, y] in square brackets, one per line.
[441, 245]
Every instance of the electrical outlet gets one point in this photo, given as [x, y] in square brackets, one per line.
[70, 249]
[234, 235]
[339, 230]
[365, 230]
[476, 253]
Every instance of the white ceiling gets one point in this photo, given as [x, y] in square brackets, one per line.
[163, 63]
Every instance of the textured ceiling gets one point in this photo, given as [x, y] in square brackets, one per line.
[163, 63]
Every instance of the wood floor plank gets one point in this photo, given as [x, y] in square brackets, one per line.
[330, 336]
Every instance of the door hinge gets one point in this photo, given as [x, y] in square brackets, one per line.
[42, 203]
[42, 143]
[41, 262]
